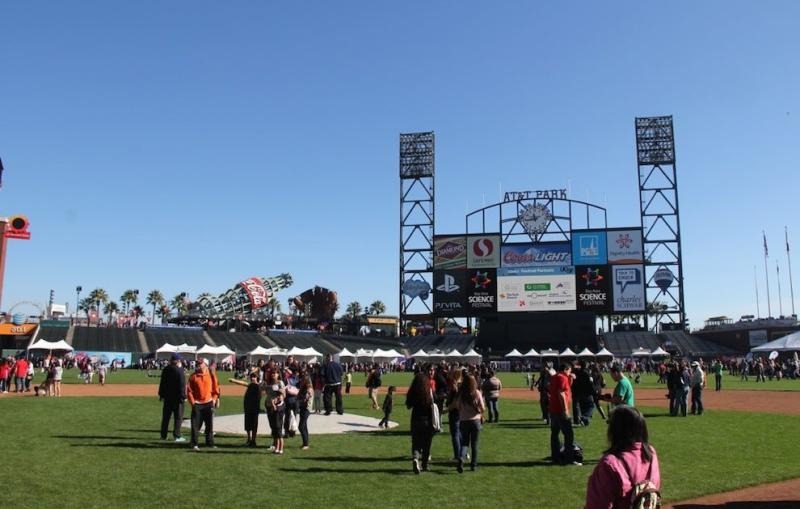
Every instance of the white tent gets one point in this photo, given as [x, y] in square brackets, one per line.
[531, 353]
[472, 355]
[454, 354]
[549, 353]
[585, 353]
[276, 352]
[296, 351]
[514, 353]
[59, 346]
[604, 353]
[567, 353]
[364, 354]
[659, 352]
[166, 348]
[380, 355]
[185, 348]
[420, 354]
[640, 352]
[436, 355]
[346, 353]
[790, 343]
[258, 351]
[311, 353]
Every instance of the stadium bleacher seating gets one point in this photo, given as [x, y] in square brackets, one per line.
[623, 344]
[157, 336]
[52, 333]
[105, 339]
[695, 346]
[240, 342]
[287, 339]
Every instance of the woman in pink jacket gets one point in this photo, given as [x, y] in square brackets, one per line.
[629, 460]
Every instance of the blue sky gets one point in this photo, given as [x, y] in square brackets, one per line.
[189, 145]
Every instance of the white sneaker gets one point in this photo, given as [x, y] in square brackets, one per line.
[196, 448]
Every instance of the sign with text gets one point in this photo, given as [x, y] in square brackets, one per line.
[481, 291]
[536, 255]
[594, 288]
[483, 251]
[628, 281]
[257, 293]
[449, 252]
[589, 247]
[625, 246]
[535, 271]
[554, 292]
[450, 292]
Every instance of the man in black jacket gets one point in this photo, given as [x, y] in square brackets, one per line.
[172, 392]
[582, 395]
[332, 378]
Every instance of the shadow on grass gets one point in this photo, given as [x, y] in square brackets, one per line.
[354, 459]
[88, 437]
[519, 425]
[785, 504]
[321, 470]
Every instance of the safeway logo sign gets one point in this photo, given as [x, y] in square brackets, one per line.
[449, 285]
[484, 251]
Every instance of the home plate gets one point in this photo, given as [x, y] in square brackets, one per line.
[318, 424]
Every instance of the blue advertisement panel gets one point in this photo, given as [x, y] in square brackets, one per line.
[536, 255]
[105, 357]
[589, 247]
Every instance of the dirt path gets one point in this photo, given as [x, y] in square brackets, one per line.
[779, 495]
[745, 401]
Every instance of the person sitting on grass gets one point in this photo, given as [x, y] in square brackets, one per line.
[388, 403]
[629, 463]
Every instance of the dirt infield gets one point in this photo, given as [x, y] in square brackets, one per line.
[779, 495]
[745, 401]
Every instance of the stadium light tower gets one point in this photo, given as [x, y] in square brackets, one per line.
[417, 209]
[661, 227]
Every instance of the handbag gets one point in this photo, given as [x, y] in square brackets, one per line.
[436, 419]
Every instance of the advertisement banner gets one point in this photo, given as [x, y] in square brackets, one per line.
[481, 291]
[450, 292]
[625, 246]
[416, 288]
[536, 293]
[536, 255]
[258, 295]
[105, 357]
[483, 251]
[449, 252]
[757, 337]
[589, 247]
[17, 330]
[628, 288]
[535, 271]
[594, 288]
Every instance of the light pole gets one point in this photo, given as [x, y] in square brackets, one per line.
[77, 302]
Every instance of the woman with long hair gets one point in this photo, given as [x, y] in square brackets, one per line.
[629, 460]
[453, 383]
[470, 406]
[419, 399]
[304, 397]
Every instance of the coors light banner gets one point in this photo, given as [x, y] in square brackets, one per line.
[449, 252]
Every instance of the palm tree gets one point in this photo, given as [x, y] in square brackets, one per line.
[163, 312]
[377, 308]
[179, 303]
[86, 305]
[155, 298]
[137, 311]
[99, 296]
[353, 310]
[129, 297]
[111, 308]
[274, 306]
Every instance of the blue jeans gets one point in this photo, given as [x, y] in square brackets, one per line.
[684, 398]
[697, 400]
[20, 383]
[560, 423]
[493, 413]
[455, 432]
[470, 434]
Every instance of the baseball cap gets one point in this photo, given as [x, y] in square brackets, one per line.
[695, 363]
[175, 357]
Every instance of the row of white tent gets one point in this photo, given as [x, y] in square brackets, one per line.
[604, 353]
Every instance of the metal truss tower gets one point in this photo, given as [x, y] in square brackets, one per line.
[660, 214]
[416, 226]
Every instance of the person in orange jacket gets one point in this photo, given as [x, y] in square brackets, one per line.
[203, 394]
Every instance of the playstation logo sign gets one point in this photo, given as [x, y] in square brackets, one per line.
[449, 285]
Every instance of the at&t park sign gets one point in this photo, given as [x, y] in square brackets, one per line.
[560, 194]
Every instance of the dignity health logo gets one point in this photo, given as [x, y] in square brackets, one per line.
[624, 241]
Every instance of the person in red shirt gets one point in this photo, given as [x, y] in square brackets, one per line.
[21, 372]
[5, 375]
[560, 421]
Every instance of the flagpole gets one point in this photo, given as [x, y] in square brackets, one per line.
[766, 274]
[755, 280]
[778, 271]
[789, 260]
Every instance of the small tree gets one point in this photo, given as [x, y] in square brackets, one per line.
[353, 310]
[111, 308]
[155, 299]
[377, 308]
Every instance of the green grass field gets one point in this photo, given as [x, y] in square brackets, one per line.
[133, 376]
[105, 452]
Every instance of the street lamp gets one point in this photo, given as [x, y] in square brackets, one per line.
[78, 290]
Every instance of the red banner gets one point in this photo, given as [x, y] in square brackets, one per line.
[258, 295]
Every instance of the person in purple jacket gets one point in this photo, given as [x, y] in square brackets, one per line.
[629, 460]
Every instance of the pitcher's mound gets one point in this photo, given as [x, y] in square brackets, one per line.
[318, 424]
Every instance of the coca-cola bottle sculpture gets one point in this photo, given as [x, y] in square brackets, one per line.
[244, 298]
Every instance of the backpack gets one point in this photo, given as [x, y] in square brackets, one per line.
[644, 494]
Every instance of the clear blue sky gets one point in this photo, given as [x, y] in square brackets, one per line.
[185, 146]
